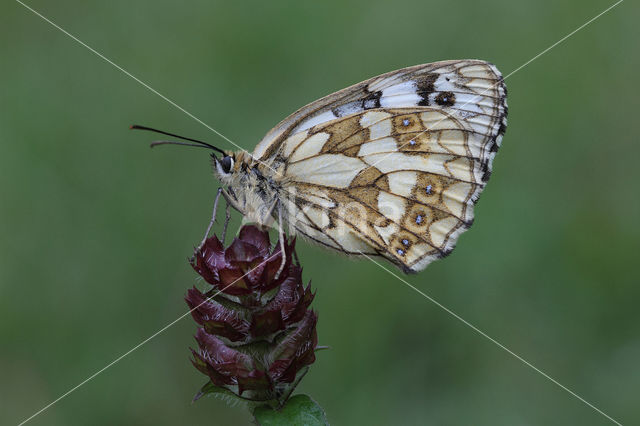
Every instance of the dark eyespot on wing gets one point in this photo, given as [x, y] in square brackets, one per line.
[446, 99]
[372, 100]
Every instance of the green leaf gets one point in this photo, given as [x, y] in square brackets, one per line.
[300, 410]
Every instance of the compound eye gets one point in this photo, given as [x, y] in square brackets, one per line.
[226, 164]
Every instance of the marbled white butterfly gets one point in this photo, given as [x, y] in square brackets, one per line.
[389, 167]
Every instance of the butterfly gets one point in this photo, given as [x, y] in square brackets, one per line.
[390, 167]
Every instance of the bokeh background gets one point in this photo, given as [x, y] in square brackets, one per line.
[95, 228]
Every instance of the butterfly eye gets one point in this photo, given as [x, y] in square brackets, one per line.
[226, 164]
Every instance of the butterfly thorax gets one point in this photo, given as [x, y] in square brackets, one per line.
[252, 187]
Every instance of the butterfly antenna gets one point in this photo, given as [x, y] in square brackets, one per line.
[197, 143]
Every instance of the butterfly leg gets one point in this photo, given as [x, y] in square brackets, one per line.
[227, 218]
[213, 219]
[281, 239]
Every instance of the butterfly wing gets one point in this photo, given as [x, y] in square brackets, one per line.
[399, 179]
[469, 87]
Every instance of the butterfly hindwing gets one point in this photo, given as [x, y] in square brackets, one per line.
[382, 182]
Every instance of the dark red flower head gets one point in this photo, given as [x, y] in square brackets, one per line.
[257, 332]
[248, 264]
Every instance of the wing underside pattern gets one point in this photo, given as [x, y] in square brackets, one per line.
[393, 166]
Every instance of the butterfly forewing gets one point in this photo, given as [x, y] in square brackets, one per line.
[473, 88]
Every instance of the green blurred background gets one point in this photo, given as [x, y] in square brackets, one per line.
[95, 228]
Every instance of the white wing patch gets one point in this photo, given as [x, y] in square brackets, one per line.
[309, 147]
[400, 95]
[391, 206]
[315, 120]
[402, 183]
[388, 144]
[332, 170]
[291, 143]
[378, 124]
